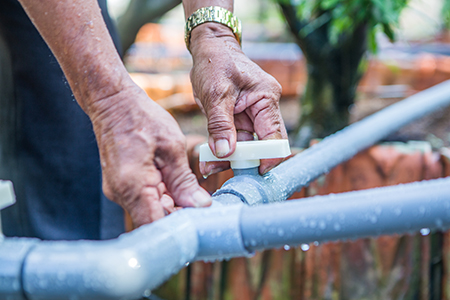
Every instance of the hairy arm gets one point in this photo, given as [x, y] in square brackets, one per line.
[142, 149]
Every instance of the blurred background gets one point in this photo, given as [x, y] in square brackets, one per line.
[337, 61]
[381, 69]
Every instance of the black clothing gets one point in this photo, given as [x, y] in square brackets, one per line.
[47, 145]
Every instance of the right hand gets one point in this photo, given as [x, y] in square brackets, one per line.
[143, 156]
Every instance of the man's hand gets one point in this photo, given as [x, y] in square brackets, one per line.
[236, 95]
[142, 149]
[143, 156]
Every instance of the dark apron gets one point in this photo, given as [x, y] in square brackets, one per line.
[47, 145]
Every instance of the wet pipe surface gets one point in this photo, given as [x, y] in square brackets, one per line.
[413, 266]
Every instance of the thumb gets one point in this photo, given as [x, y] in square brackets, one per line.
[222, 132]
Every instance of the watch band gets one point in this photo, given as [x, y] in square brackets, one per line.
[212, 14]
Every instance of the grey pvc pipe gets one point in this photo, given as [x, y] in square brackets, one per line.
[298, 171]
[136, 262]
[13, 252]
[124, 268]
[396, 209]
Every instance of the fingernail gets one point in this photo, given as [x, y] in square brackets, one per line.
[212, 172]
[222, 148]
[201, 199]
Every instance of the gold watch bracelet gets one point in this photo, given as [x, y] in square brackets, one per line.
[212, 14]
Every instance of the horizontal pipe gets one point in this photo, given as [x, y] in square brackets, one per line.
[219, 231]
[13, 252]
[139, 261]
[123, 268]
[397, 209]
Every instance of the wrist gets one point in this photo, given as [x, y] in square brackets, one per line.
[214, 14]
[113, 102]
[99, 83]
[211, 32]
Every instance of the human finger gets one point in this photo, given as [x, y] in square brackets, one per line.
[167, 204]
[221, 129]
[148, 208]
[208, 168]
[180, 182]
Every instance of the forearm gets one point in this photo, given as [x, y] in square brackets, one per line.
[78, 37]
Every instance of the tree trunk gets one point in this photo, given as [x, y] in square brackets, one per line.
[333, 74]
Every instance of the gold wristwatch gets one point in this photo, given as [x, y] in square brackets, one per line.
[212, 14]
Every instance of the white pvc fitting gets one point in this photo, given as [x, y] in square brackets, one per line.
[248, 154]
[7, 196]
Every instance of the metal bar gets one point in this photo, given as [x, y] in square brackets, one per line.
[396, 209]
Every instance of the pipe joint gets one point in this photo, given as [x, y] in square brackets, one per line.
[219, 232]
[117, 269]
[13, 252]
[252, 188]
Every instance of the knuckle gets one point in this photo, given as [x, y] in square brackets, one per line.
[278, 89]
[121, 186]
[218, 123]
[184, 181]
[275, 88]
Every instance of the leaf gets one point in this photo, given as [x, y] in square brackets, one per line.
[372, 41]
[446, 13]
[387, 29]
[346, 15]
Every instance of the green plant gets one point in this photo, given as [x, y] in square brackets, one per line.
[334, 36]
